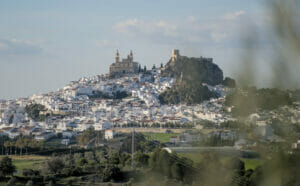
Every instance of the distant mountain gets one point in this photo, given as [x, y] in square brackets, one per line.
[201, 70]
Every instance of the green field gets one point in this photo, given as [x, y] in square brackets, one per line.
[252, 163]
[27, 162]
[162, 137]
[249, 163]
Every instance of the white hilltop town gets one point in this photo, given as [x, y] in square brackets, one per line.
[93, 102]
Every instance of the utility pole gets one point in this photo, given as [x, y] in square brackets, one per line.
[132, 149]
[2, 144]
[193, 115]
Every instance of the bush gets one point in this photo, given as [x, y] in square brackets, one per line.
[6, 166]
[30, 172]
[112, 173]
[54, 165]
[29, 183]
[11, 182]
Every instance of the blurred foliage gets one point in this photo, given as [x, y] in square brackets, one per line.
[229, 82]
[247, 101]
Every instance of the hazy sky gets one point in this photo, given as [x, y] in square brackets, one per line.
[44, 44]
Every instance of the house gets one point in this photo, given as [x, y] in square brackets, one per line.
[240, 144]
[296, 145]
[109, 134]
[188, 138]
[264, 131]
[37, 131]
[174, 139]
[102, 126]
[44, 136]
[28, 129]
[68, 134]
[65, 141]
[14, 132]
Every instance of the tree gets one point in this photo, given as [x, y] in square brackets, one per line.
[141, 159]
[29, 183]
[236, 165]
[50, 183]
[6, 166]
[11, 182]
[33, 111]
[20, 144]
[229, 82]
[54, 165]
[112, 173]
[7, 145]
[86, 136]
[177, 171]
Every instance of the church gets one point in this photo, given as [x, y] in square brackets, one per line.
[126, 66]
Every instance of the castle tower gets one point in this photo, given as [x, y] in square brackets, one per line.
[175, 54]
[117, 56]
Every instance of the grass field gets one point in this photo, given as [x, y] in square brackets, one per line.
[249, 163]
[162, 137]
[28, 162]
[252, 163]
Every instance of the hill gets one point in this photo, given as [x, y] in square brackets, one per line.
[201, 70]
[190, 74]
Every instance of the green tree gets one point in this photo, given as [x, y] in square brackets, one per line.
[86, 136]
[6, 166]
[29, 183]
[33, 111]
[112, 173]
[12, 182]
[54, 165]
[177, 171]
[229, 82]
[20, 144]
[141, 159]
[51, 183]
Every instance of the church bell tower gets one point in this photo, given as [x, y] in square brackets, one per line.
[131, 56]
[117, 56]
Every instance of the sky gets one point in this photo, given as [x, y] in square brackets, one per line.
[45, 44]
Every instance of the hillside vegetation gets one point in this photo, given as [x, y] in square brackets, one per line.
[194, 70]
[189, 93]
[190, 73]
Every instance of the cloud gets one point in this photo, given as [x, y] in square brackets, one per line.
[136, 27]
[19, 47]
[189, 31]
[106, 43]
[191, 18]
[234, 15]
[218, 37]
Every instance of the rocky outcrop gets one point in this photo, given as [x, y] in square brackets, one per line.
[186, 69]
